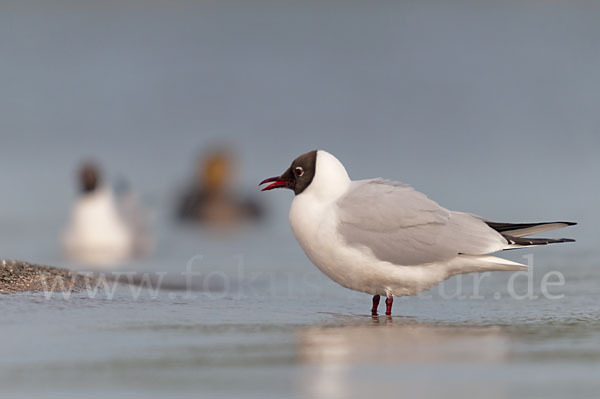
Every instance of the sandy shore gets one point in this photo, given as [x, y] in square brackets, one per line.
[16, 276]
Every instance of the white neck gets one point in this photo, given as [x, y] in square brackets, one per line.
[331, 179]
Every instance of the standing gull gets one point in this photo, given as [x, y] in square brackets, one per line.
[385, 238]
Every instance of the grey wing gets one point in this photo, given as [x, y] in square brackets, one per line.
[404, 227]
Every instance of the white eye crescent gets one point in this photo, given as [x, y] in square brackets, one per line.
[299, 171]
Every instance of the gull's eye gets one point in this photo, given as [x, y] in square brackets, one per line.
[299, 171]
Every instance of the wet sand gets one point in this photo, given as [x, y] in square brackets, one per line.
[17, 276]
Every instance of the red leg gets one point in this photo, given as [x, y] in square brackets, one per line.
[375, 305]
[388, 305]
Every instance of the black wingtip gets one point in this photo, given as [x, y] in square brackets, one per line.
[502, 227]
[525, 242]
[567, 223]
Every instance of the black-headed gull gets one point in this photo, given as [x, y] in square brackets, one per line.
[385, 238]
[101, 232]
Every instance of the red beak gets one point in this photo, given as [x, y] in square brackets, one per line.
[276, 182]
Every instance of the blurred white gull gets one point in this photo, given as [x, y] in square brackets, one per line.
[98, 232]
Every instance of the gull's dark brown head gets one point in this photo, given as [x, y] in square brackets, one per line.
[89, 177]
[298, 176]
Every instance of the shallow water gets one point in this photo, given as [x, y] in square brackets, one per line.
[277, 333]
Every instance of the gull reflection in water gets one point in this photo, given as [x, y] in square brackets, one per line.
[401, 358]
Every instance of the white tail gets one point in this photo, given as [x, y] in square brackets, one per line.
[478, 264]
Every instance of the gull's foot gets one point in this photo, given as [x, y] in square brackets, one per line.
[375, 305]
[388, 305]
